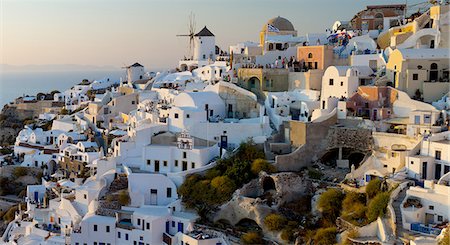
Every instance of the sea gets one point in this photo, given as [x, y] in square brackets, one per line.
[14, 84]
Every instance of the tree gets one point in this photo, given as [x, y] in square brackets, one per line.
[330, 202]
[351, 198]
[325, 236]
[224, 187]
[373, 188]
[377, 206]
[275, 222]
[252, 238]
[259, 165]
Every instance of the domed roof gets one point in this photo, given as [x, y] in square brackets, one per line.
[281, 23]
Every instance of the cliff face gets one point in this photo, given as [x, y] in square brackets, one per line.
[11, 122]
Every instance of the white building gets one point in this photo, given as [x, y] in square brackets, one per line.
[341, 82]
[433, 162]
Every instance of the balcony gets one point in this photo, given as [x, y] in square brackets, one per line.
[421, 228]
[125, 224]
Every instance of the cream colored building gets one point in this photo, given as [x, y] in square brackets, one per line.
[423, 70]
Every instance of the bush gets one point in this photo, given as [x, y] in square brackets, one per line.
[377, 206]
[325, 236]
[287, 234]
[19, 172]
[9, 215]
[64, 111]
[224, 187]
[275, 222]
[204, 193]
[314, 173]
[259, 165]
[124, 198]
[252, 238]
[330, 202]
[354, 207]
[445, 239]
[373, 188]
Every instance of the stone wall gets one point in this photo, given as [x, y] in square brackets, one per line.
[315, 139]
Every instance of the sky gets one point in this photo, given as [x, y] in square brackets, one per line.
[117, 33]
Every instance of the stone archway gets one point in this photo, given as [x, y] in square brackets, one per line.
[268, 184]
[248, 224]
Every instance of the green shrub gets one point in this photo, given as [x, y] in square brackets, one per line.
[377, 206]
[124, 198]
[19, 172]
[445, 239]
[325, 236]
[373, 188]
[275, 222]
[314, 173]
[9, 215]
[287, 234]
[252, 238]
[330, 202]
[224, 187]
[259, 165]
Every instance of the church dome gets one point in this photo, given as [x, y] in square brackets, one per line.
[281, 23]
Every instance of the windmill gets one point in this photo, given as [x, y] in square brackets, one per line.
[191, 29]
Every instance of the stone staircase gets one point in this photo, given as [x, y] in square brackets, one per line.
[398, 214]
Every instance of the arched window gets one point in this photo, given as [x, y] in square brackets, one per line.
[310, 56]
[433, 72]
[378, 16]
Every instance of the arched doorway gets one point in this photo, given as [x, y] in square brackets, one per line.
[433, 72]
[268, 184]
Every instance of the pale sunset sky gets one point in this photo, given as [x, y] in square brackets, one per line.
[116, 33]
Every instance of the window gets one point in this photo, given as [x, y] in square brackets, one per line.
[149, 162]
[342, 83]
[85, 196]
[188, 116]
[440, 218]
[192, 164]
[107, 228]
[393, 154]
[437, 155]
[126, 236]
[431, 207]
[331, 82]
[173, 223]
[95, 227]
[118, 235]
[415, 76]
[169, 192]
[184, 154]
[427, 119]
[176, 163]
[176, 115]
[165, 163]
[148, 226]
[133, 102]
[412, 162]
[310, 56]
[139, 221]
[384, 166]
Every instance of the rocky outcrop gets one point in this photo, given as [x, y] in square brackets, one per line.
[11, 122]
[263, 196]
